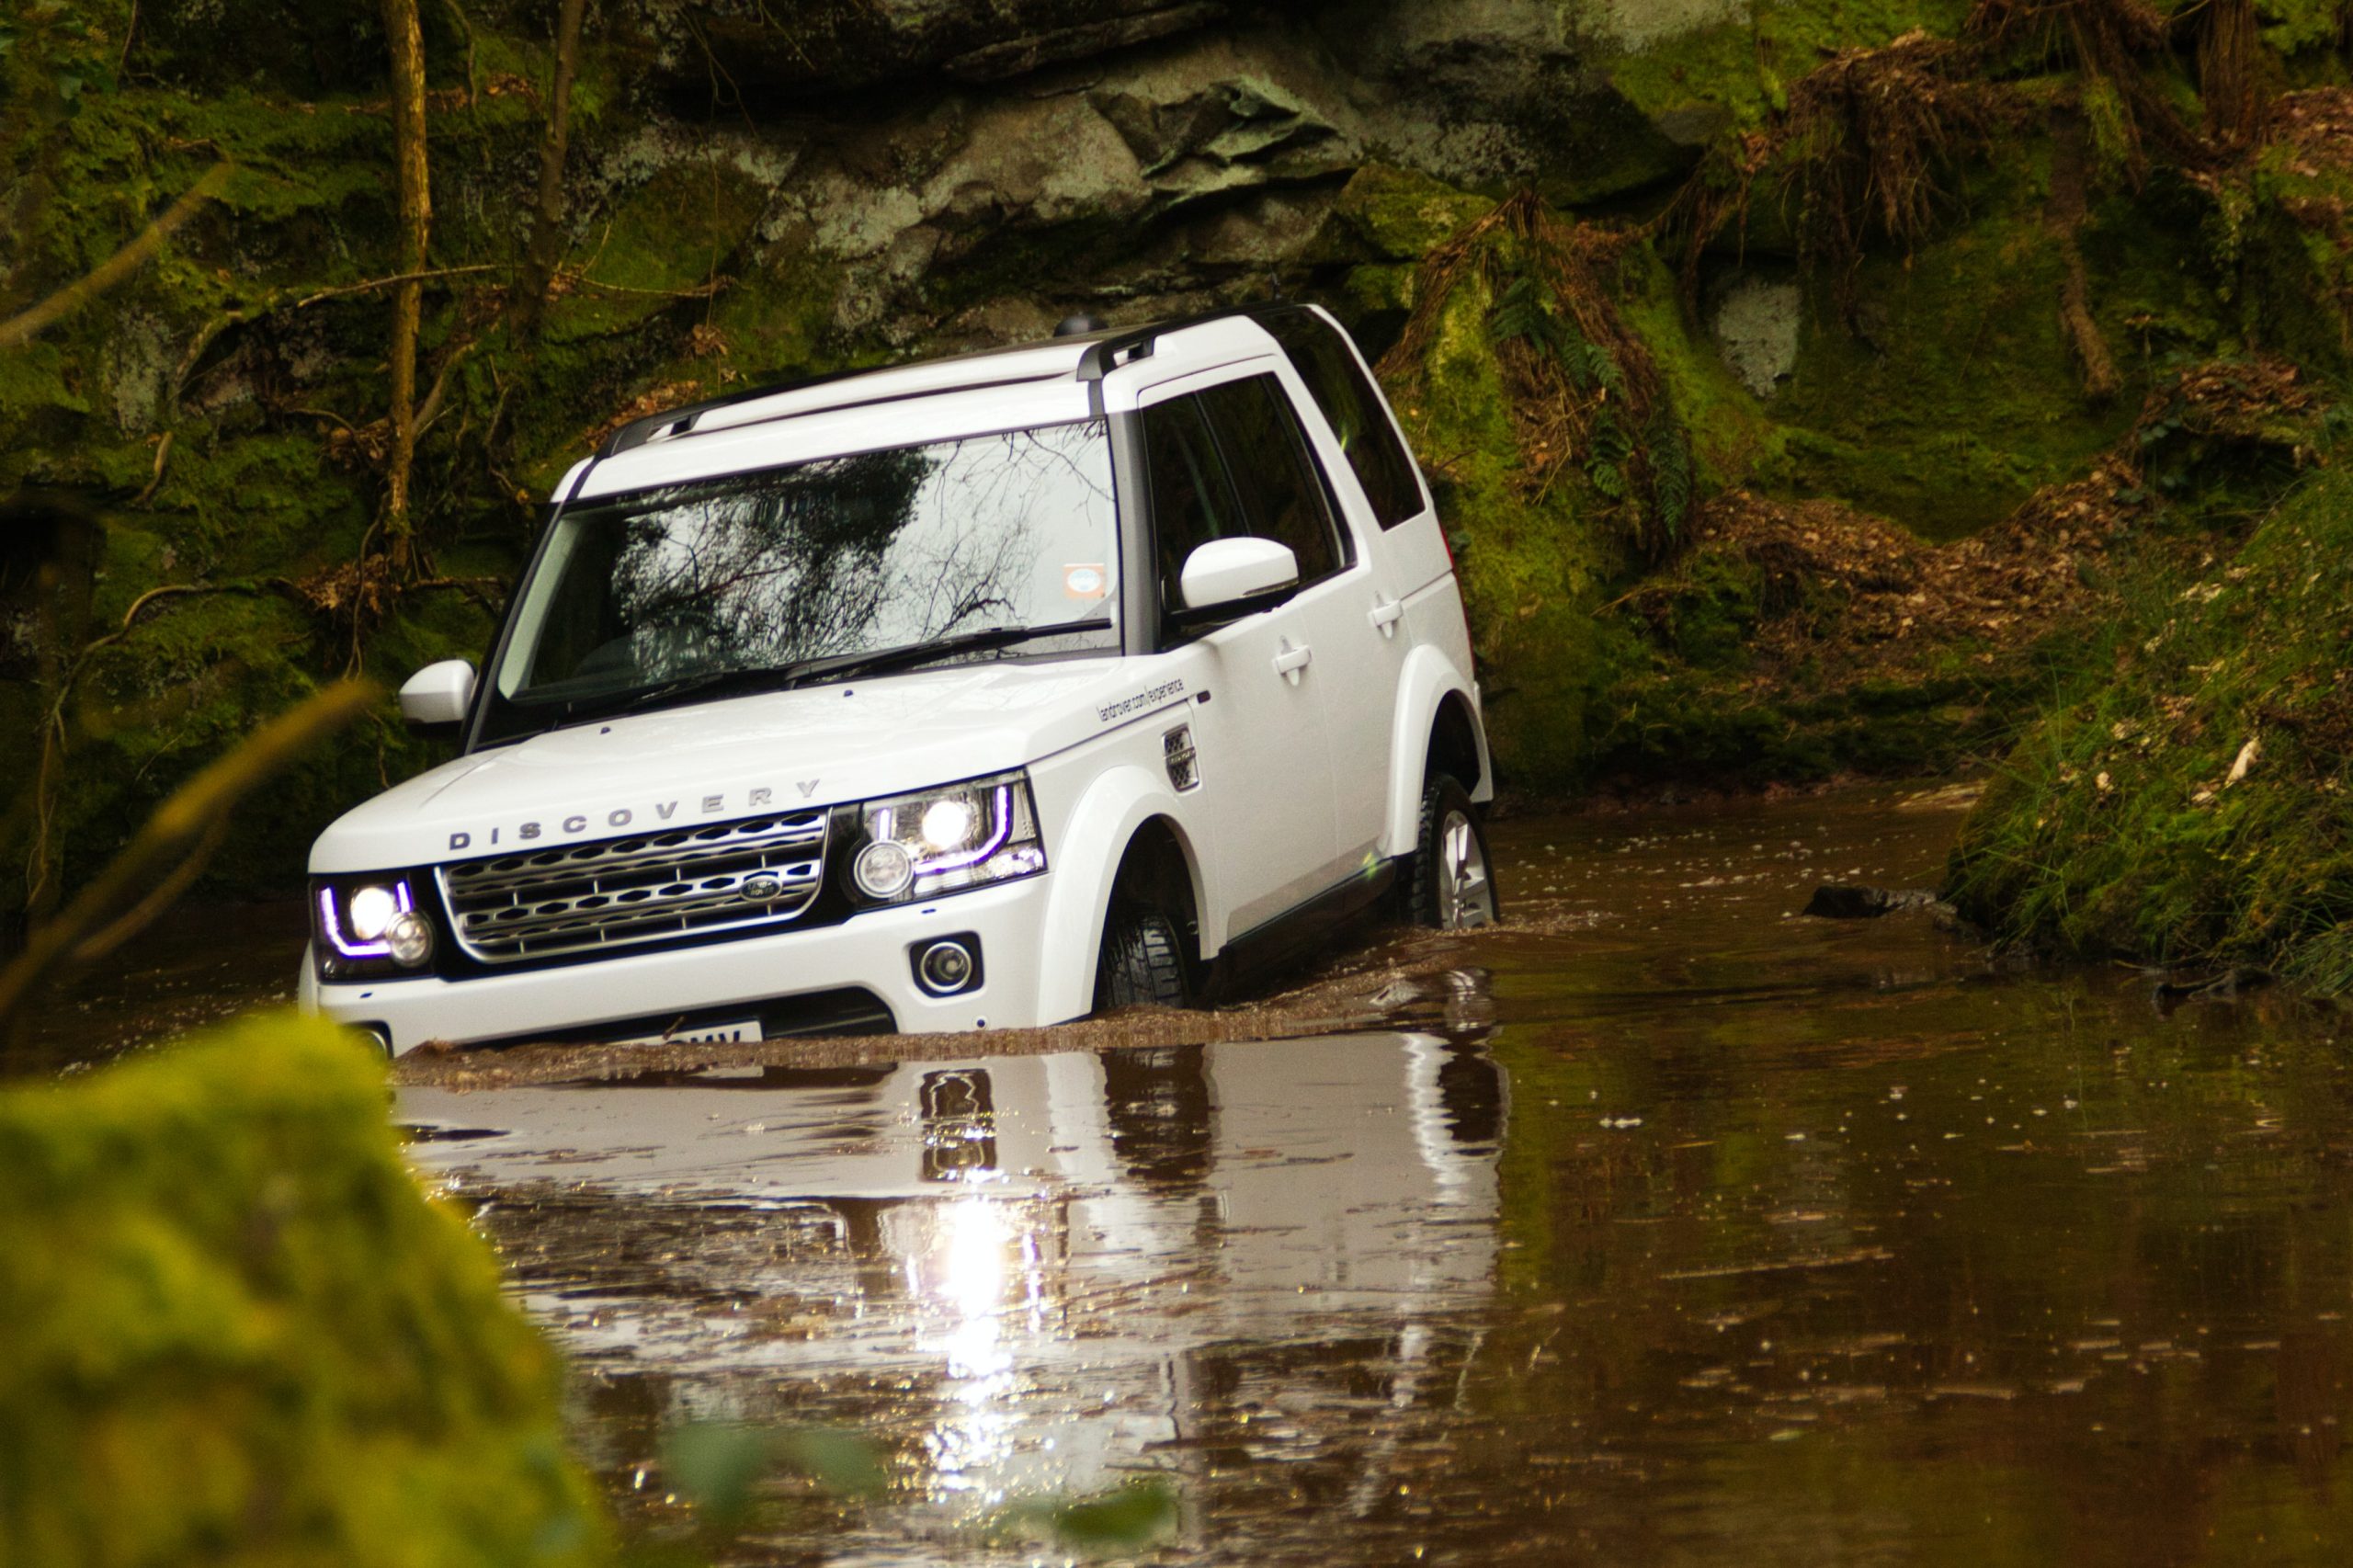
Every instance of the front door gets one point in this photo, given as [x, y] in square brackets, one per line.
[1264, 750]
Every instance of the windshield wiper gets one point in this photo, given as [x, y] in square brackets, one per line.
[808, 671]
[660, 692]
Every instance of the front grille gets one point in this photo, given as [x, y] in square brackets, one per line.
[617, 892]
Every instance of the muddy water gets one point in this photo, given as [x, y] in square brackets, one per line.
[1702, 1233]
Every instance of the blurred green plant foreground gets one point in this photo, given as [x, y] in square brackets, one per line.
[237, 1331]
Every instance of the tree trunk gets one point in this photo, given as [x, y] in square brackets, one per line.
[529, 299]
[405, 40]
[2230, 62]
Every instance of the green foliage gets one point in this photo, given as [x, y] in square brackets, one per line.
[1531, 560]
[1610, 448]
[239, 1334]
[1669, 446]
[1122, 1521]
[718, 1467]
[2117, 825]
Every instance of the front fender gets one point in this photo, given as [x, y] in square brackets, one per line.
[1085, 864]
[1426, 681]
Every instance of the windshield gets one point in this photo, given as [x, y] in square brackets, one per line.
[755, 573]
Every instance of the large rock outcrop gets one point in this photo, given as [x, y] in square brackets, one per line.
[755, 192]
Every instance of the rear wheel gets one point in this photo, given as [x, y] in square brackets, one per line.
[1143, 961]
[1451, 883]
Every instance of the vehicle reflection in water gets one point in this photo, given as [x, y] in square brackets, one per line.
[1724, 1236]
[1026, 1276]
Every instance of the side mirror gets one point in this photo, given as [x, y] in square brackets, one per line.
[1226, 571]
[437, 696]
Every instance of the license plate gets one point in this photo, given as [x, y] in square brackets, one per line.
[708, 1034]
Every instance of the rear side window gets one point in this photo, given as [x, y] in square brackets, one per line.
[1192, 503]
[1281, 493]
[1353, 407]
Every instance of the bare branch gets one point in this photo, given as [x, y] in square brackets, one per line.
[20, 329]
[423, 275]
[184, 829]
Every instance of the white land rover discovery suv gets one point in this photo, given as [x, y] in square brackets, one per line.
[978, 693]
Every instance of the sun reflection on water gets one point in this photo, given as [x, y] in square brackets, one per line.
[978, 1279]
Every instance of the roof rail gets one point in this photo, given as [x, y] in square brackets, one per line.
[1108, 354]
[637, 432]
[1105, 354]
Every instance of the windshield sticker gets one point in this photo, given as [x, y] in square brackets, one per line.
[1085, 581]
[1141, 700]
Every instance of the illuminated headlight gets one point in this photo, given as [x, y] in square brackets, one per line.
[368, 926]
[938, 841]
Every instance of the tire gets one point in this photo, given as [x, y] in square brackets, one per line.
[1450, 883]
[1142, 962]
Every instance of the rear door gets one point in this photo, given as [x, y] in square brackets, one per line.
[1386, 514]
[1262, 745]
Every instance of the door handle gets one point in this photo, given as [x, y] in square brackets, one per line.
[1290, 660]
[1386, 613]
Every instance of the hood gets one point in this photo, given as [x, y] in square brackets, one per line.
[714, 761]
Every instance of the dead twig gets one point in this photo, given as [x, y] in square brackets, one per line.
[156, 482]
[699, 291]
[423, 275]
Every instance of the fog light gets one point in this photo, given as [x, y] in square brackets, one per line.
[946, 968]
[409, 939]
[884, 869]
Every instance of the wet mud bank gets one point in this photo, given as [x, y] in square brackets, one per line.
[1666, 1223]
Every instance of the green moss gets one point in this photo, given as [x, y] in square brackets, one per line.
[1735, 72]
[1719, 600]
[1664, 717]
[1394, 214]
[2298, 26]
[2118, 827]
[1531, 564]
[677, 232]
[1956, 394]
[1734, 440]
[238, 1333]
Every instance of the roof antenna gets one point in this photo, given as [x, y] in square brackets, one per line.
[1079, 325]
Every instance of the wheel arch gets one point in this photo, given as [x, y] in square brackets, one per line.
[1128, 828]
[1437, 720]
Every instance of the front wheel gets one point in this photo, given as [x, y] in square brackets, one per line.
[1143, 961]
[1451, 883]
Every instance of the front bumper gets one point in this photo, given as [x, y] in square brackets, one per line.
[869, 952]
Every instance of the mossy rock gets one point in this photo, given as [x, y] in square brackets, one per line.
[1948, 393]
[239, 1333]
[1695, 67]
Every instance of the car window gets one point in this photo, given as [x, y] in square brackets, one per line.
[1355, 411]
[1282, 491]
[1192, 502]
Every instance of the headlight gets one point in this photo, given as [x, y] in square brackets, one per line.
[944, 840]
[368, 927]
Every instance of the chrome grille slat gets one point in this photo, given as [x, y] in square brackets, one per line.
[635, 888]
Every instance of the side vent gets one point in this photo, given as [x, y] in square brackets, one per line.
[1184, 761]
